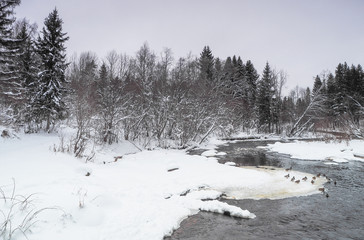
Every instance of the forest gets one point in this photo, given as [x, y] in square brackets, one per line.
[153, 99]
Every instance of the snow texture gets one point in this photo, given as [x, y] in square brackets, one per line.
[230, 163]
[212, 153]
[135, 197]
[333, 152]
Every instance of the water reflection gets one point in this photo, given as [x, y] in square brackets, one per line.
[248, 155]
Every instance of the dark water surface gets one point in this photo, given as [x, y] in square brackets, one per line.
[340, 216]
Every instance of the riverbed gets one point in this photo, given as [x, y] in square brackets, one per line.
[336, 214]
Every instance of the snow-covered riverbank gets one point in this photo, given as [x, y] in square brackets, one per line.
[141, 196]
[331, 153]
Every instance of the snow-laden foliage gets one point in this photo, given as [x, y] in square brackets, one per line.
[49, 102]
[10, 83]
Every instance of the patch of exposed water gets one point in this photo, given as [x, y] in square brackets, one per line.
[339, 216]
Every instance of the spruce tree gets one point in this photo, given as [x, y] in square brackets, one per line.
[228, 67]
[206, 64]
[218, 71]
[354, 92]
[288, 109]
[316, 85]
[10, 86]
[239, 82]
[234, 61]
[252, 78]
[330, 102]
[28, 64]
[264, 99]
[49, 100]
[360, 84]
[228, 70]
[227, 76]
[342, 87]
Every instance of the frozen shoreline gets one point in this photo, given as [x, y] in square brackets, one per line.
[133, 198]
[331, 153]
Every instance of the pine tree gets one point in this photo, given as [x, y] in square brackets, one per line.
[354, 97]
[342, 86]
[360, 84]
[206, 64]
[228, 70]
[234, 61]
[218, 71]
[239, 82]
[317, 85]
[264, 99]
[28, 63]
[252, 79]
[288, 109]
[228, 67]
[10, 86]
[330, 102]
[227, 76]
[49, 103]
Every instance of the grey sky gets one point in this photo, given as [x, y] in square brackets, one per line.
[302, 37]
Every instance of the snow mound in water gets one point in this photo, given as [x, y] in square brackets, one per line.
[230, 163]
[212, 153]
[224, 208]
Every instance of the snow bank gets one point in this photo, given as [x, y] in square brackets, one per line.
[230, 163]
[133, 198]
[224, 208]
[212, 153]
[331, 152]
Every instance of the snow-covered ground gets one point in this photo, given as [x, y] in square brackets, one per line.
[331, 153]
[140, 196]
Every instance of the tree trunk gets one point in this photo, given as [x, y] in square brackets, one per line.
[48, 123]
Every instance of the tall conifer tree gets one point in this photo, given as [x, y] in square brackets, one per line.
[264, 99]
[28, 64]
[239, 81]
[252, 79]
[10, 86]
[317, 85]
[206, 64]
[49, 101]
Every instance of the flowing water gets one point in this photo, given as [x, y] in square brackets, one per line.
[338, 216]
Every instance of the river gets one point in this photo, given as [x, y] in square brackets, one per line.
[338, 216]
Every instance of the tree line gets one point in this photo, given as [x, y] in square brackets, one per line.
[155, 99]
[32, 79]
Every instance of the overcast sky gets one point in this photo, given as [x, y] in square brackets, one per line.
[301, 37]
